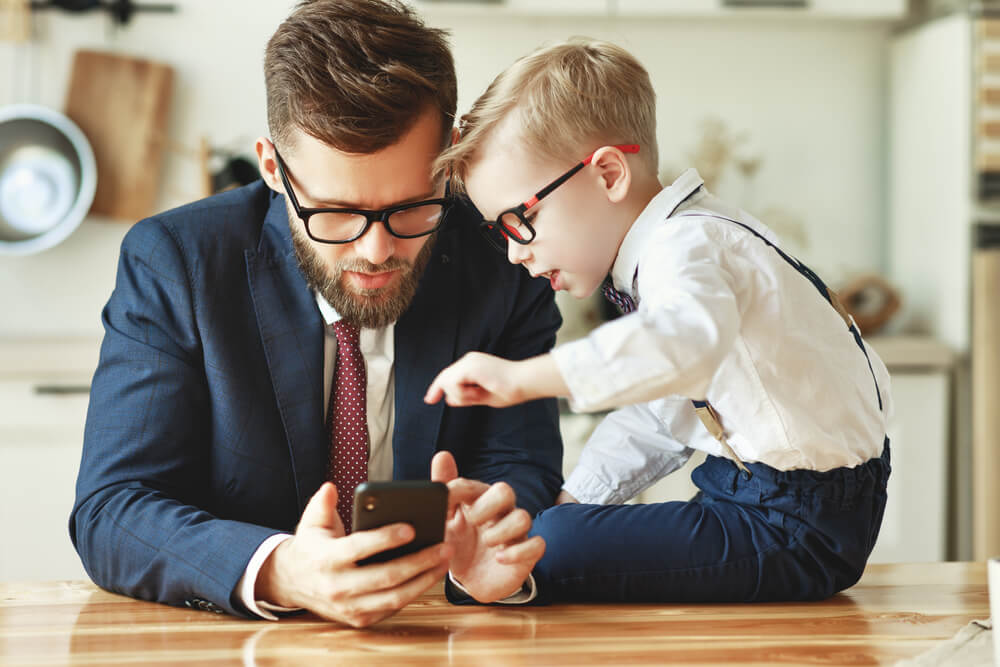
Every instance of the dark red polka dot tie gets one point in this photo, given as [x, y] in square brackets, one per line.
[347, 420]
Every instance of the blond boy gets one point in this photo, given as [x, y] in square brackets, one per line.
[729, 346]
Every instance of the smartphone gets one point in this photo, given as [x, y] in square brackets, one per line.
[422, 504]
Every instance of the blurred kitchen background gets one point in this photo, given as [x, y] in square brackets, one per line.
[865, 132]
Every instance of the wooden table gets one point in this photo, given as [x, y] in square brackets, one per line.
[895, 611]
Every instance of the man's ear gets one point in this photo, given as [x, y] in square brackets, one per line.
[268, 165]
[614, 171]
[455, 136]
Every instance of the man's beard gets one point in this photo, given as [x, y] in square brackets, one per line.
[365, 308]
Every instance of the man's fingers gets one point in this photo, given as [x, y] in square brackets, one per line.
[493, 504]
[321, 511]
[443, 467]
[365, 543]
[511, 528]
[383, 576]
[464, 491]
[373, 607]
[529, 551]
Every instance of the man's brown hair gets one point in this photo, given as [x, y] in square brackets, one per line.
[356, 74]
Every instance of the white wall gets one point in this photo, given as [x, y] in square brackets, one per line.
[810, 94]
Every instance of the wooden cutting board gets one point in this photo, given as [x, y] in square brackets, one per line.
[121, 104]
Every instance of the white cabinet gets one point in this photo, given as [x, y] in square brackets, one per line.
[862, 9]
[821, 9]
[43, 406]
[914, 527]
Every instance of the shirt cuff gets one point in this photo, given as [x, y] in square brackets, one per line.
[248, 582]
[588, 488]
[527, 593]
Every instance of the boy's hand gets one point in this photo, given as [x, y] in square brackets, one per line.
[477, 379]
[483, 379]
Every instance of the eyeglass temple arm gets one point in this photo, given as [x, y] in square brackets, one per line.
[624, 148]
[289, 192]
[544, 192]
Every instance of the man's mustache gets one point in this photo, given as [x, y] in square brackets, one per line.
[360, 265]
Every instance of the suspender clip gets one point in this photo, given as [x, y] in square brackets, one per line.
[710, 418]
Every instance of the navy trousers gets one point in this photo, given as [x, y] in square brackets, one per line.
[770, 536]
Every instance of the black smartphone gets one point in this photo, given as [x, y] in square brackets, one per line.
[422, 504]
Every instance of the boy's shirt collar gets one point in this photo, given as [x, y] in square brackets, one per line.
[660, 207]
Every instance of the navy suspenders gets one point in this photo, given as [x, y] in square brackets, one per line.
[706, 413]
[810, 275]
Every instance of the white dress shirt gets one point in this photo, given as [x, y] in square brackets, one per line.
[721, 317]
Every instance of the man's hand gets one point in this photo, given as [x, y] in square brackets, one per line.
[492, 558]
[316, 569]
[483, 379]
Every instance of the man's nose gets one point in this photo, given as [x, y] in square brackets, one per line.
[376, 245]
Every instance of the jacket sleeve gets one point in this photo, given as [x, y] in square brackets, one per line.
[522, 445]
[136, 521]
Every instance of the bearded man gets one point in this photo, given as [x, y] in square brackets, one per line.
[268, 348]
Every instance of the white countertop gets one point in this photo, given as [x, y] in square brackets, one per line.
[65, 358]
[911, 353]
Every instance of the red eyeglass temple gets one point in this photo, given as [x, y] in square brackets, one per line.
[624, 148]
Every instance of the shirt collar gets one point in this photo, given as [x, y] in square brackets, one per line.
[326, 310]
[659, 208]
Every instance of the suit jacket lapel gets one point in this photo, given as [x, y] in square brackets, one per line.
[425, 340]
[291, 330]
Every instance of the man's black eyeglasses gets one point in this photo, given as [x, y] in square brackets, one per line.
[511, 225]
[343, 225]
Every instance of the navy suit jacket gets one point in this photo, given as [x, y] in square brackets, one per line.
[205, 432]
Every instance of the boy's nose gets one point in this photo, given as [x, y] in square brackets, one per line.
[376, 245]
[517, 253]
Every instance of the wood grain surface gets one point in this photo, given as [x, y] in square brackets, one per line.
[895, 611]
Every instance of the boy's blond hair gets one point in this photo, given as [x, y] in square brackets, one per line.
[571, 98]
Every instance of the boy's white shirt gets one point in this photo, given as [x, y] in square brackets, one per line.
[721, 316]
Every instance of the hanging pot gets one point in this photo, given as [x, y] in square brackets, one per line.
[48, 177]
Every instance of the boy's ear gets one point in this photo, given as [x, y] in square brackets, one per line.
[614, 172]
[455, 136]
[267, 164]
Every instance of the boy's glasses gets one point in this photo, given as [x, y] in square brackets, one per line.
[343, 225]
[511, 225]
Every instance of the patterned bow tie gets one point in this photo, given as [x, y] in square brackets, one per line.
[625, 303]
